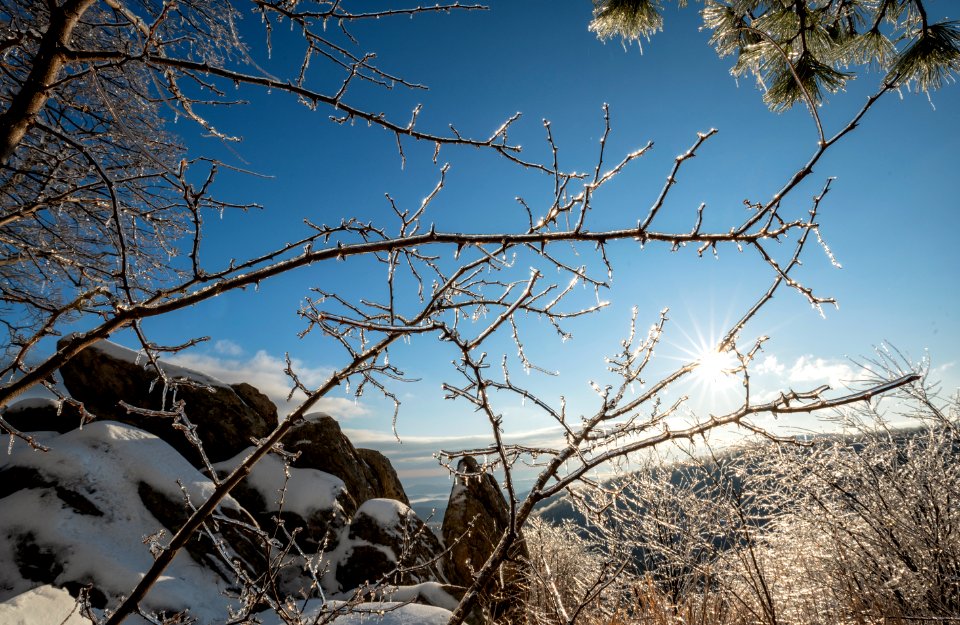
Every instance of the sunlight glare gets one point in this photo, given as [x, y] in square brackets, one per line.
[715, 369]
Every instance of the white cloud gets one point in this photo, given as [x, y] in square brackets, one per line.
[227, 348]
[265, 372]
[433, 472]
[940, 370]
[770, 364]
[805, 373]
[812, 371]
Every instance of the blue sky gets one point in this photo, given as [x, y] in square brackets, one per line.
[891, 216]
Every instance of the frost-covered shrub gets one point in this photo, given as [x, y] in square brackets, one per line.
[861, 526]
[572, 577]
[871, 528]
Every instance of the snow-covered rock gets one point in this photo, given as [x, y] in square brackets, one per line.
[40, 414]
[93, 511]
[76, 515]
[322, 445]
[429, 593]
[312, 501]
[387, 542]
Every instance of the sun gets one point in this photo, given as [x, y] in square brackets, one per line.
[717, 374]
[716, 370]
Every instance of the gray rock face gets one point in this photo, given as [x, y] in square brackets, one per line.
[366, 473]
[226, 418]
[387, 484]
[323, 446]
[261, 404]
[477, 516]
[15, 478]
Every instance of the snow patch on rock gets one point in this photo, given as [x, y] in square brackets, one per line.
[119, 352]
[32, 403]
[385, 512]
[432, 592]
[307, 490]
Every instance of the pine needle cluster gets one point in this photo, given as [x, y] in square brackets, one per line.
[802, 50]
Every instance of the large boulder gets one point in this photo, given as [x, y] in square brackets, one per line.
[476, 517]
[253, 398]
[90, 511]
[386, 541]
[91, 514]
[386, 482]
[226, 418]
[322, 445]
[474, 521]
[239, 544]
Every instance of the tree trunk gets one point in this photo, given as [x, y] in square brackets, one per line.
[26, 104]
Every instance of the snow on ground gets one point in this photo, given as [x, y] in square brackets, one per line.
[42, 605]
[104, 463]
[433, 592]
[383, 613]
[308, 490]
